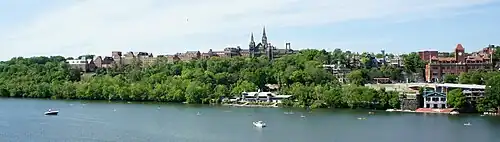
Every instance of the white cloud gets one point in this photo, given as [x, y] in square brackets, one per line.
[99, 26]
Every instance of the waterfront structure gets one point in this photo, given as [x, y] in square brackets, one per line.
[472, 92]
[437, 66]
[434, 99]
[263, 97]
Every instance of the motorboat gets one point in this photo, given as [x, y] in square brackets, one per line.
[51, 112]
[454, 113]
[467, 124]
[259, 124]
[390, 110]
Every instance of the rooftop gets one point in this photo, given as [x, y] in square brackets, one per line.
[469, 86]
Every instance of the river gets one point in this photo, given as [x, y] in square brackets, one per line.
[22, 120]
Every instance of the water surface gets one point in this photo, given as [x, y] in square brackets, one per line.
[22, 120]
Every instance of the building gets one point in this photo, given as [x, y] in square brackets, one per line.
[264, 48]
[105, 62]
[434, 100]
[426, 55]
[263, 97]
[437, 66]
[339, 71]
[472, 92]
[397, 61]
[84, 65]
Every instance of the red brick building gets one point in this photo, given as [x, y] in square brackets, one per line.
[426, 55]
[437, 66]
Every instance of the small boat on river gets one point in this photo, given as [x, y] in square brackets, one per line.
[51, 112]
[259, 124]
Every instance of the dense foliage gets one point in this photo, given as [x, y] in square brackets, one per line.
[198, 81]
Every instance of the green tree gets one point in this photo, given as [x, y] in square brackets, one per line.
[450, 78]
[492, 93]
[413, 63]
[456, 99]
[200, 81]
[357, 77]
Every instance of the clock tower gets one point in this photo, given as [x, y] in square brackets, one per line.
[460, 53]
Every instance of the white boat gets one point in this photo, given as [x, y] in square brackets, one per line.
[467, 124]
[454, 113]
[390, 110]
[259, 124]
[51, 112]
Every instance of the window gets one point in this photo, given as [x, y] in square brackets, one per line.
[427, 99]
[443, 99]
[443, 106]
[427, 106]
[435, 106]
[435, 99]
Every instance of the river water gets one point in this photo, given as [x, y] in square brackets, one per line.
[22, 120]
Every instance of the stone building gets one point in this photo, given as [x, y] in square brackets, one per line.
[264, 48]
[105, 62]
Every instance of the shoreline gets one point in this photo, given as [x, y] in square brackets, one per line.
[245, 105]
[253, 105]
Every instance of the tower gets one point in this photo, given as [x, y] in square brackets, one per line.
[270, 53]
[251, 46]
[460, 53]
[264, 38]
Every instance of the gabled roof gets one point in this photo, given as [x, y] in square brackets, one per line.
[432, 93]
[459, 46]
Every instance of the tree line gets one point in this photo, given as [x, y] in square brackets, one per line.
[196, 81]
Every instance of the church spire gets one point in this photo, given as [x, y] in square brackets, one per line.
[251, 46]
[264, 37]
[264, 32]
[251, 38]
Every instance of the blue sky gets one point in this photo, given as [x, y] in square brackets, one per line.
[75, 27]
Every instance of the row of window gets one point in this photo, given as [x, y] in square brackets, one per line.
[458, 67]
[435, 99]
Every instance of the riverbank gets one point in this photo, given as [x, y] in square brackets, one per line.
[249, 104]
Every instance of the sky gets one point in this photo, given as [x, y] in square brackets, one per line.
[77, 27]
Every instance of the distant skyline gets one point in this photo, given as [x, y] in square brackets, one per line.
[75, 27]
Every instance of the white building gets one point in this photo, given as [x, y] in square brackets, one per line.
[82, 64]
[472, 92]
[434, 100]
[263, 97]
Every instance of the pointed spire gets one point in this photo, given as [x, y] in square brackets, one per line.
[251, 37]
[264, 32]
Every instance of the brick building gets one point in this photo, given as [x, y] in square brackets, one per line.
[437, 67]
